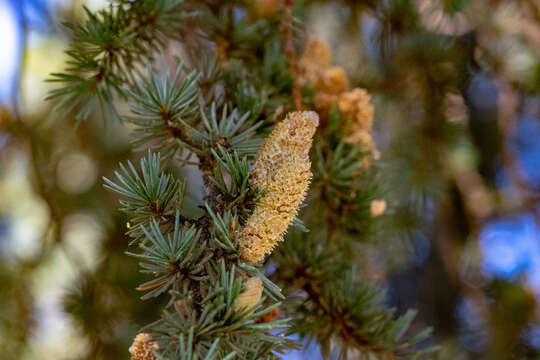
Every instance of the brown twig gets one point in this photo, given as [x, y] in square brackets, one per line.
[286, 26]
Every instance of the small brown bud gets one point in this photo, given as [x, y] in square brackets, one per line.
[251, 295]
[316, 58]
[268, 317]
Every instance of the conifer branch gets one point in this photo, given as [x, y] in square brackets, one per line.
[153, 195]
[215, 115]
[107, 49]
[161, 109]
[187, 261]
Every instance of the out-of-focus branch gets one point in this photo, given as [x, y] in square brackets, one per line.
[25, 136]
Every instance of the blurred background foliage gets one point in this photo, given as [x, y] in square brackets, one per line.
[456, 87]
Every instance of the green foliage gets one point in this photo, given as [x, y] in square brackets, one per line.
[355, 312]
[235, 192]
[161, 108]
[344, 184]
[239, 36]
[338, 171]
[172, 259]
[344, 314]
[107, 49]
[220, 328]
[223, 233]
[88, 303]
[214, 114]
[155, 196]
[178, 260]
[229, 130]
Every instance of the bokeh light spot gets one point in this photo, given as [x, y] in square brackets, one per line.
[76, 173]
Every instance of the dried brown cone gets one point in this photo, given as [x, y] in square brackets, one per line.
[355, 105]
[315, 59]
[323, 102]
[142, 347]
[333, 81]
